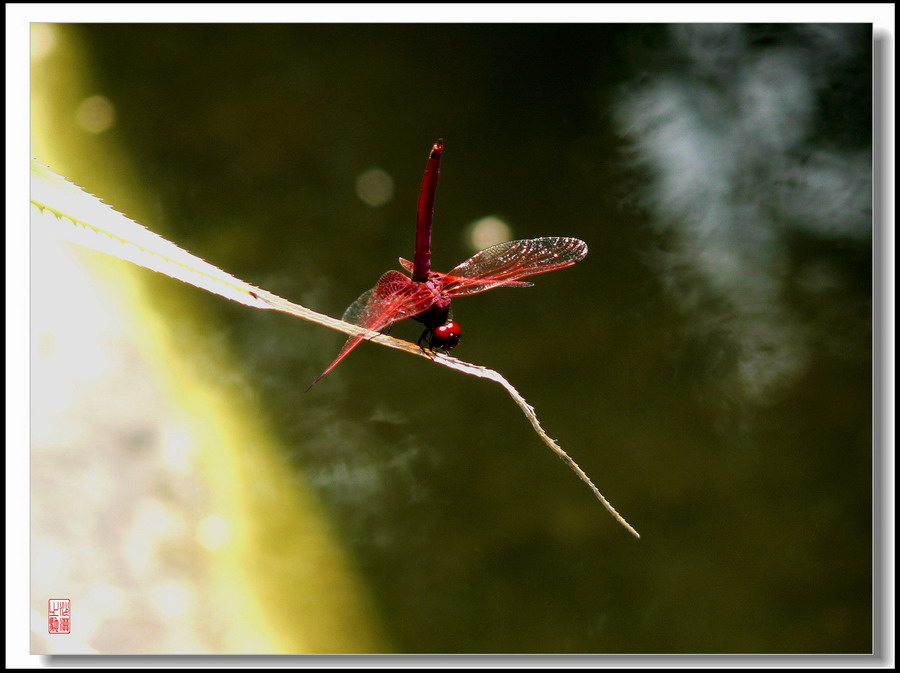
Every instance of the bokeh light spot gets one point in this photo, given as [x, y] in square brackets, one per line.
[213, 532]
[375, 187]
[172, 598]
[43, 40]
[488, 231]
[95, 114]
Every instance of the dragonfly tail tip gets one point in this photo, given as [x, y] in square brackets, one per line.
[320, 377]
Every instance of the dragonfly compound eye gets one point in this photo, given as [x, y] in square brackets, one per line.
[446, 336]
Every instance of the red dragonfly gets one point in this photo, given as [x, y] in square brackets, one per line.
[426, 295]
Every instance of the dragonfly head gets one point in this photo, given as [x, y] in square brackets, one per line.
[446, 336]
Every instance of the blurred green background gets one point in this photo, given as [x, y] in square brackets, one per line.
[708, 364]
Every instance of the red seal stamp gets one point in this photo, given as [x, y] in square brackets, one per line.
[59, 615]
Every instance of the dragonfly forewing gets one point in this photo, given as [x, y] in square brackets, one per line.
[502, 265]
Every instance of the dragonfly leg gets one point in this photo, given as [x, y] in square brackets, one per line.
[426, 336]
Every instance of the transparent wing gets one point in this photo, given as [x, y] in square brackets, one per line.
[393, 298]
[504, 264]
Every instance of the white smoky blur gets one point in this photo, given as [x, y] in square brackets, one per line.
[725, 135]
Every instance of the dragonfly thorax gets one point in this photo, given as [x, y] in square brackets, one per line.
[440, 332]
[437, 314]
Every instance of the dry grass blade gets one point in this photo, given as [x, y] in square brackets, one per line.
[82, 218]
[453, 363]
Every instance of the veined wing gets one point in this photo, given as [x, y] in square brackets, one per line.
[393, 298]
[504, 264]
